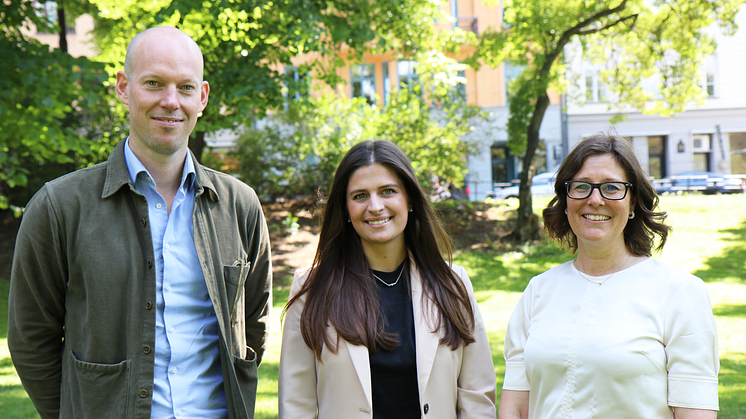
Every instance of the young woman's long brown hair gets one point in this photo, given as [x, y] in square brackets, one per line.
[340, 290]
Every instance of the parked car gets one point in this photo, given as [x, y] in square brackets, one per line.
[542, 185]
[709, 183]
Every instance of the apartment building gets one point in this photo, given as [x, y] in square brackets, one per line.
[710, 137]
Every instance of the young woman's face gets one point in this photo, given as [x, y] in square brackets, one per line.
[598, 222]
[378, 207]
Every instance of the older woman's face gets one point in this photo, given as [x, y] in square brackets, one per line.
[597, 222]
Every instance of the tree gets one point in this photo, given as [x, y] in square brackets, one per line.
[44, 97]
[245, 41]
[297, 152]
[637, 40]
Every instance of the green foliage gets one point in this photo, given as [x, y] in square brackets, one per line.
[244, 41]
[297, 152]
[665, 41]
[50, 104]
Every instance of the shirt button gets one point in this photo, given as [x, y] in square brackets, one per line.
[143, 393]
[168, 287]
[146, 349]
[167, 246]
[158, 205]
[148, 305]
[171, 329]
[174, 370]
[426, 408]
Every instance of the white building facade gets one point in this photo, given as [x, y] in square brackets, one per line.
[710, 137]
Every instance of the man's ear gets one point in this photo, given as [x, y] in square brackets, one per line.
[204, 94]
[122, 84]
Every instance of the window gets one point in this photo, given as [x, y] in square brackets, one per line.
[458, 92]
[386, 82]
[363, 78]
[737, 152]
[657, 156]
[48, 10]
[511, 73]
[503, 167]
[407, 75]
[595, 91]
[297, 83]
[701, 151]
[710, 84]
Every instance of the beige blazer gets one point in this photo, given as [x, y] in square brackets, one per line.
[452, 384]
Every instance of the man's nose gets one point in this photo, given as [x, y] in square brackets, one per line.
[170, 99]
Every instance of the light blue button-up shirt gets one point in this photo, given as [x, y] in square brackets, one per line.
[188, 380]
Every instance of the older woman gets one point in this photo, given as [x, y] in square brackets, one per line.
[381, 325]
[613, 333]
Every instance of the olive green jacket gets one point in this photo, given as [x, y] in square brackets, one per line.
[81, 328]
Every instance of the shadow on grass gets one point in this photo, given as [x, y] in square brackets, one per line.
[510, 271]
[732, 387]
[730, 266]
[730, 310]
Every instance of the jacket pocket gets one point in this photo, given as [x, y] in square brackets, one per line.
[98, 390]
[235, 279]
[246, 383]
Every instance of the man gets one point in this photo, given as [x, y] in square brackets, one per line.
[141, 287]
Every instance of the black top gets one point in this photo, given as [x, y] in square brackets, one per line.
[394, 373]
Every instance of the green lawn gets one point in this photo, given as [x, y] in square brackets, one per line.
[709, 240]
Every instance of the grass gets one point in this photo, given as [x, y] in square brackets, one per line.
[709, 240]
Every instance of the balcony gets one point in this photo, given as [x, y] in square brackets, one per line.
[467, 23]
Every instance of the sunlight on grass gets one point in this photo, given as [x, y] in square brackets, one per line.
[709, 240]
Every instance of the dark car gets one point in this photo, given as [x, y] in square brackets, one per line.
[708, 183]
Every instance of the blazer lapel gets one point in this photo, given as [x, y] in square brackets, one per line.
[361, 361]
[426, 342]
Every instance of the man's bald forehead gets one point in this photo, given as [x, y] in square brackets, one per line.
[131, 57]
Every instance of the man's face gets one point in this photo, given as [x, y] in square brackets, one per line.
[164, 93]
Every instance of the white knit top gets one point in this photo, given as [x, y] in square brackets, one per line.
[634, 347]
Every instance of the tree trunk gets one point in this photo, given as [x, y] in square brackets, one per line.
[197, 144]
[528, 223]
[63, 26]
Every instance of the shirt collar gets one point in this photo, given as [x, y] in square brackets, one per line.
[135, 167]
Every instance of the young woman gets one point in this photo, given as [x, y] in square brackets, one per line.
[381, 325]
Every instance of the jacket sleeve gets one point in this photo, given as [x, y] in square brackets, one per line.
[258, 285]
[297, 380]
[476, 381]
[36, 304]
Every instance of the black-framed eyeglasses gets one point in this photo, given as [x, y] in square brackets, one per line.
[615, 191]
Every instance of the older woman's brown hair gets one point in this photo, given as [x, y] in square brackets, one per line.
[640, 232]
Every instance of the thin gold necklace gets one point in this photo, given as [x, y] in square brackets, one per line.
[607, 278]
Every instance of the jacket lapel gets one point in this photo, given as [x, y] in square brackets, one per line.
[361, 361]
[426, 342]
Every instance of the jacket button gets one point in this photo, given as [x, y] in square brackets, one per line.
[143, 393]
[150, 264]
[146, 349]
[143, 222]
[426, 408]
[148, 305]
